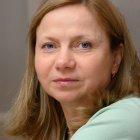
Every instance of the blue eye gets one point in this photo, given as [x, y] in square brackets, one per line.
[48, 46]
[85, 45]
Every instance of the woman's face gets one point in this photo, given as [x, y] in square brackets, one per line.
[72, 55]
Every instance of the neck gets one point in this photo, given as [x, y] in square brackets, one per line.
[75, 113]
[78, 112]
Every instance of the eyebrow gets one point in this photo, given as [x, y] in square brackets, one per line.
[78, 37]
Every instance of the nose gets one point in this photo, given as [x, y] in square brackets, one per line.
[65, 60]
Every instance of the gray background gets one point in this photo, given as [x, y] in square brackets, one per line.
[15, 17]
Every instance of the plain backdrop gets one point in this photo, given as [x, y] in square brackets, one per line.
[15, 17]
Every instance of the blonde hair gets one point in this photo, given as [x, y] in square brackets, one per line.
[35, 115]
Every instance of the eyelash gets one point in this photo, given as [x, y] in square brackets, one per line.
[80, 46]
[44, 46]
[86, 44]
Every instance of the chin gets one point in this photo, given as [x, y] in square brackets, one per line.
[66, 97]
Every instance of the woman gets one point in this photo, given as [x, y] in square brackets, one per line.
[82, 75]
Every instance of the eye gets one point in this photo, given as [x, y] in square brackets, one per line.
[48, 46]
[85, 45]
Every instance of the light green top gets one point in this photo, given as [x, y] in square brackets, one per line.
[118, 121]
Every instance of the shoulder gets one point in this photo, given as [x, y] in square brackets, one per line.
[119, 121]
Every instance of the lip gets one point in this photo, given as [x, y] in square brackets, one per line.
[65, 81]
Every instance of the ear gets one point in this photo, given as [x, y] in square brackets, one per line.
[117, 58]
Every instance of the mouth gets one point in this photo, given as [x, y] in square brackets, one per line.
[65, 81]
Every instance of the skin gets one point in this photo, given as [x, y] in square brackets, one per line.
[73, 57]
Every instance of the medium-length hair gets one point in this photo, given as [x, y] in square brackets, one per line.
[36, 115]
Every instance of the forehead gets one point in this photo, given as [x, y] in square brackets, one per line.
[69, 14]
[72, 20]
[73, 10]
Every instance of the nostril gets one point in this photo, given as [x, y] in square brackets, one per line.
[65, 59]
[62, 64]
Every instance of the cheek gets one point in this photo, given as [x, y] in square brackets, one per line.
[97, 64]
[40, 67]
[97, 70]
